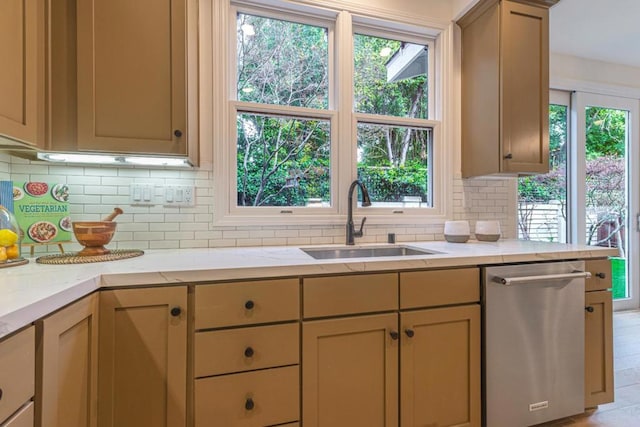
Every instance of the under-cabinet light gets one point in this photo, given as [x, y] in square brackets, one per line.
[106, 159]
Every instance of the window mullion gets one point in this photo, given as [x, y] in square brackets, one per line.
[344, 145]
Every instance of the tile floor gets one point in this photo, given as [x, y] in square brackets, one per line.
[625, 410]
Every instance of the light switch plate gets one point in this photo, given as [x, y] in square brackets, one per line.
[143, 194]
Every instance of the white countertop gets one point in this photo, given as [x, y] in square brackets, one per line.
[31, 291]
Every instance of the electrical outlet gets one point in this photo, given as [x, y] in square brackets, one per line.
[179, 196]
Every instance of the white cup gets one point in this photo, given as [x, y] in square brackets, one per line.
[488, 230]
[456, 231]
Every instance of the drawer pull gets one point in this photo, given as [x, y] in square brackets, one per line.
[394, 335]
[410, 333]
[249, 305]
[249, 404]
[589, 309]
[176, 311]
[601, 275]
[0, 394]
[248, 352]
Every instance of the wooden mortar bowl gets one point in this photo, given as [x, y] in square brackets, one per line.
[93, 235]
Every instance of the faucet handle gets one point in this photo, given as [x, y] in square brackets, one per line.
[360, 233]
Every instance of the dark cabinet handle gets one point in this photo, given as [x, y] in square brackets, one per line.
[601, 275]
[249, 305]
[589, 309]
[509, 156]
[177, 133]
[248, 352]
[0, 394]
[176, 311]
[410, 333]
[249, 404]
[394, 335]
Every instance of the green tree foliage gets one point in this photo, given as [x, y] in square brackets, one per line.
[392, 161]
[605, 172]
[282, 161]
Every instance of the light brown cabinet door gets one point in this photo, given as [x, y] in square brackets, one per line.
[440, 360]
[143, 357]
[505, 87]
[22, 70]
[524, 111]
[17, 371]
[350, 372]
[23, 418]
[131, 76]
[68, 366]
[598, 348]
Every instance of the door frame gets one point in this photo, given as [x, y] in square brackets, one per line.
[577, 158]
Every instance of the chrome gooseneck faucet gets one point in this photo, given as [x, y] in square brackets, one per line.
[366, 201]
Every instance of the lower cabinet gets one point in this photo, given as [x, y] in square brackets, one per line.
[598, 363]
[143, 357]
[23, 418]
[247, 399]
[440, 367]
[247, 354]
[350, 372]
[66, 393]
[413, 367]
[598, 380]
[17, 378]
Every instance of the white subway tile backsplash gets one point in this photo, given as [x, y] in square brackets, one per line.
[95, 191]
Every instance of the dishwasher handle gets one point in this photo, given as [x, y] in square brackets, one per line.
[507, 281]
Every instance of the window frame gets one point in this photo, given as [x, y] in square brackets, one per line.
[341, 27]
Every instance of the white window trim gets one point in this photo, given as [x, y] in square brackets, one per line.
[341, 113]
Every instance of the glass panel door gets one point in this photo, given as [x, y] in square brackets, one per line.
[606, 165]
[542, 199]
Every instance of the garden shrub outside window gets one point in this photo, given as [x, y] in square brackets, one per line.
[294, 148]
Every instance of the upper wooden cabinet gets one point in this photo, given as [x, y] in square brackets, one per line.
[22, 71]
[132, 76]
[505, 87]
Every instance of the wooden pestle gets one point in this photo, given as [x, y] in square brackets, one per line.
[112, 215]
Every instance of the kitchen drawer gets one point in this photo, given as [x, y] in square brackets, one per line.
[258, 398]
[245, 349]
[17, 371]
[23, 418]
[600, 270]
[439, 287]
[246, 303]
[338, 295]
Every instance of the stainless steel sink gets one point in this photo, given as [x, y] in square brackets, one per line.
[364, 252]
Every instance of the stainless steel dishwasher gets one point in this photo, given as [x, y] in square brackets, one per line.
[534, 342]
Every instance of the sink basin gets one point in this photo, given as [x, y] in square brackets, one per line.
[364, 252]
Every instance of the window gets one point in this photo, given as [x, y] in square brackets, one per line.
[283, 155]
[315, 108]
[390, 82]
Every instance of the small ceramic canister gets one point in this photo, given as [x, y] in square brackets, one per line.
[488, 231]
[456, 231]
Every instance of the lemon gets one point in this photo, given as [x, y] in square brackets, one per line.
[8, 237]
[13, 252]
[3, 254]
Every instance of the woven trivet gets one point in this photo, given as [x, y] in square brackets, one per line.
[73, 258]
[14, 263]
